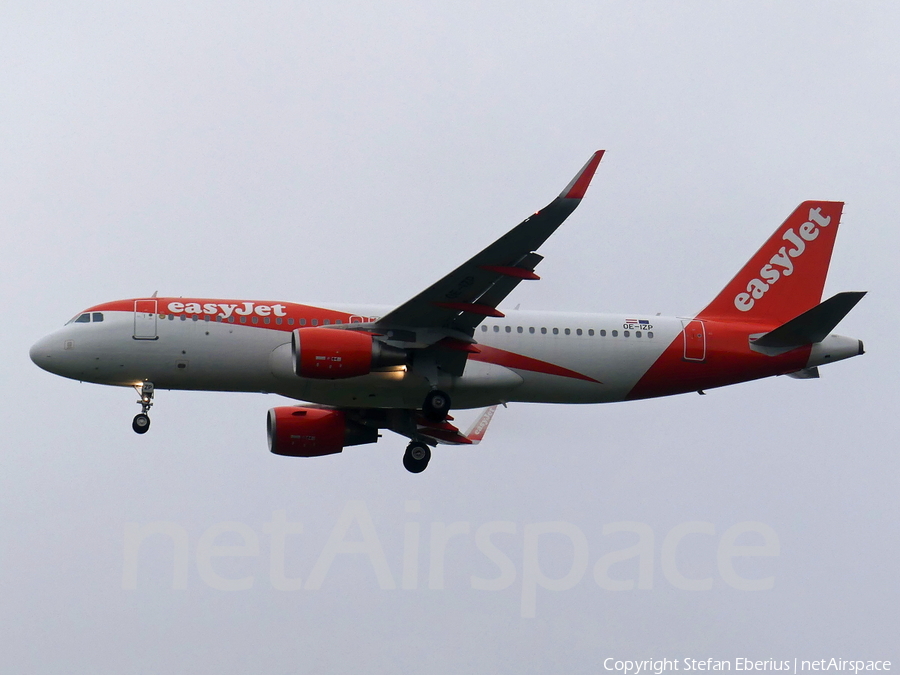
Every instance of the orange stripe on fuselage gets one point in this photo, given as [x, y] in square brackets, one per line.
[232, 311]
[515, 361]
[729, 360]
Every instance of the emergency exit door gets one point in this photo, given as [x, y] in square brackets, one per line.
[694, 340]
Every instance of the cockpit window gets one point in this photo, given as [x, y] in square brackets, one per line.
[86, 318]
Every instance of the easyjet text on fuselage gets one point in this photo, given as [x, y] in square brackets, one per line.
[225, 310]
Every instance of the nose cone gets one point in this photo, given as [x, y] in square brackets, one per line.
[42, 352]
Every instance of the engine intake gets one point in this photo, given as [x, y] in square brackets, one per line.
[332, 354]
[313, 432]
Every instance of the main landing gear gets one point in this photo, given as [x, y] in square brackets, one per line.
[416, 457]
[436, 406]
[141, 422]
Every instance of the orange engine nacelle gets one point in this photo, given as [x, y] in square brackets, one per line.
[313, 432]
[331, 354]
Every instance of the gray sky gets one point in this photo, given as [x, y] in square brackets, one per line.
[357, 153]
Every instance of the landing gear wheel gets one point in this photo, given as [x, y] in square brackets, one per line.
[416, 458]
[436, 406]
[141, 423]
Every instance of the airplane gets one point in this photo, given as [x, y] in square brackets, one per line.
[363, 369]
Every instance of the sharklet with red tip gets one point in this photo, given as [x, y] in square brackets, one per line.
[579, 185]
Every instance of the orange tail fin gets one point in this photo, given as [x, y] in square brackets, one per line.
[787, 275]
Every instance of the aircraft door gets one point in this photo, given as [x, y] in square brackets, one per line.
[145, 320]
[694, 340]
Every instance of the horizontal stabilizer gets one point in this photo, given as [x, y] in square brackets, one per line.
[813, 325]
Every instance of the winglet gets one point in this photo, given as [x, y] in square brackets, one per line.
[579, 184]
[476, 432]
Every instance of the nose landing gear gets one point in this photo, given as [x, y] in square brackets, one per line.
[141, 422]
[416, 457]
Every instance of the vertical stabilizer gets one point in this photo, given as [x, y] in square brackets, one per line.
[787, 275]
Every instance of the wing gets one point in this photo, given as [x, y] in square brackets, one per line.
[462, 299]
[446, 433]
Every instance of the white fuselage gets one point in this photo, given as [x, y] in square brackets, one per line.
[201, 353]
[549, 357]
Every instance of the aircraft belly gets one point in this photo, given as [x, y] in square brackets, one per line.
[375, 390]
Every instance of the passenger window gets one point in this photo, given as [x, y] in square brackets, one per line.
[602, 332]
[556, 331]
[291, 322]
[615, 333]
[339, 321]
[266, 320]
[626, 333]
[637, 333]
[531, 330]
[543, 331]
[519, 329]
[84, 318]
[568, 332]
[578, 332]
[326, 322]
[509, 329]
[650, 334]
[278, 320]
[254, 320]
[315, 322]
[243, 319]
[97, 317]
[302, 322]
[496, 329]
[483, 328]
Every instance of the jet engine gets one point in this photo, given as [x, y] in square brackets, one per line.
[331, 354]
[313, 432]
